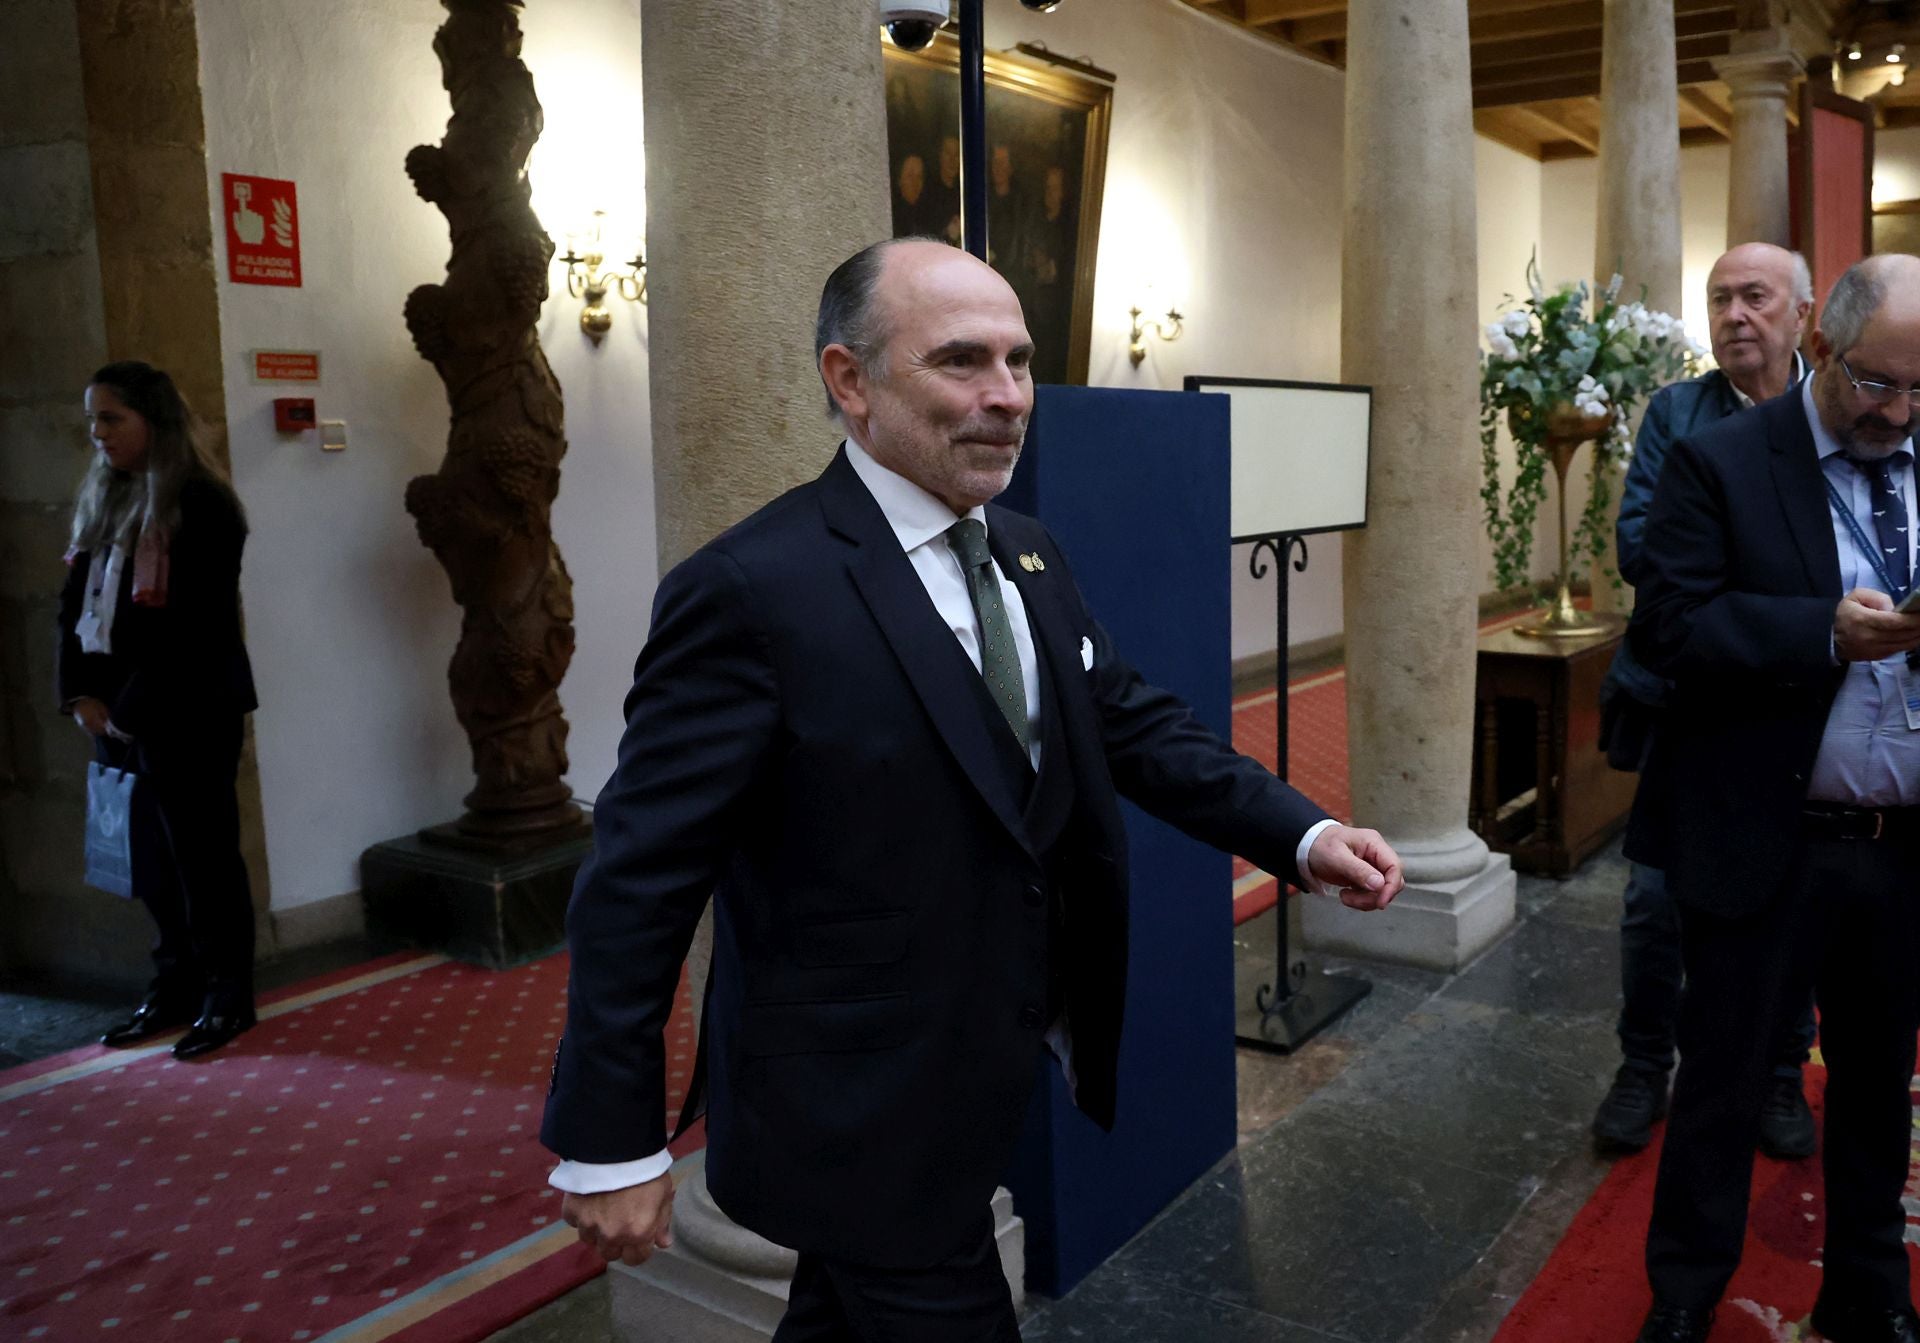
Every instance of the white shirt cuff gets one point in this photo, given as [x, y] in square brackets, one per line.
[1307, 879]
[587, 1177]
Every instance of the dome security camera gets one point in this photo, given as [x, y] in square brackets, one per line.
[911, 24]
[1041, 6]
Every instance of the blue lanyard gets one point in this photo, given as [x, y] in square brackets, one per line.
[1867, 548]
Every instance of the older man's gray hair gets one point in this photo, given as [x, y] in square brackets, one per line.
[1855, 297]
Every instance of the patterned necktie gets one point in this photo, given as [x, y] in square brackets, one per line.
[1889, 510]
[999, 659]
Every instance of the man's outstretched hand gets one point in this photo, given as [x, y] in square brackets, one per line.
[1359, 864]
[624, 1224]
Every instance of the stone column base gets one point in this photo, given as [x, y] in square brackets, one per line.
[720, 1283]
[1435, 924]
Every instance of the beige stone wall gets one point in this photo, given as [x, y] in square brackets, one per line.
[52, 335]
[106, 252]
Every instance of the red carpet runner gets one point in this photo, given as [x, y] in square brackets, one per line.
[364, 1164]
[1594, 1287]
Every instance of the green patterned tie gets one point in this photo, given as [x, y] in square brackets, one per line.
[999, 659]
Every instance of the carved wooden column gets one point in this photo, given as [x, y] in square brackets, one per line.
[486, 513]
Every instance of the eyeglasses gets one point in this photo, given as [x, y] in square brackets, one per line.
[1881, 393]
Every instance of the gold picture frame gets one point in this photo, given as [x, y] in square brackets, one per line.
[1047, 129]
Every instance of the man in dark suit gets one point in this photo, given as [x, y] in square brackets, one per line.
[877, 723]
[1782, 799]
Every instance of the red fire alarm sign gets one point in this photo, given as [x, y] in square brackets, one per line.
[263, 230]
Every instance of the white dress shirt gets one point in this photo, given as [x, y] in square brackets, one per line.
[919, 521]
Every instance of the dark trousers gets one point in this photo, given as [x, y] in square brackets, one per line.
[1849, 924]
[1651, 976]
[963, 1299]
[187, 869]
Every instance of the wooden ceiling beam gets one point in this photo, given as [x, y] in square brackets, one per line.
[1498, 20]
[1500, 125]
[1691, 51]
[1574, 84]
[1552, 128]
[1266, 13]
[1717, 118]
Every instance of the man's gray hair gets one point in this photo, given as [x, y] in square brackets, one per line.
[1802, 279]
[849, 316]
[1855, 297]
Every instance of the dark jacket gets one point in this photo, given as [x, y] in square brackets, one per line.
[807, 743]
[1739, 580]
[176, 663]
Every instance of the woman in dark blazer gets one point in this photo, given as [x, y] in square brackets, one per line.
[151, 665]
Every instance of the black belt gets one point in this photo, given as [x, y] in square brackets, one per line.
[1833, 820]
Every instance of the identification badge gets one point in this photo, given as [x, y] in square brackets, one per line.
[1910, 695]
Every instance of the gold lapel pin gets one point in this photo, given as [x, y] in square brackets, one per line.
[1027, 563]
[1033, 564]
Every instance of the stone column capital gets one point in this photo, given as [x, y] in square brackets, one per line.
[1762, 73]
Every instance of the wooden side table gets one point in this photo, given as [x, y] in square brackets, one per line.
[1542, 789]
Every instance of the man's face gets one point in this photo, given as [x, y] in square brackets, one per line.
[1002, 170]
[1755, 322]
[913, 177]
[947, 401]
[1888, 352]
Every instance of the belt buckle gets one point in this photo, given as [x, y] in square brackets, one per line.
[1879, 824]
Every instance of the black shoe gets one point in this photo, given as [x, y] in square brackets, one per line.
[1856, 1324]
[156, 1016]
[211, 1032]
[1786, 1124]
[1675, 1324]
[1635, 1102]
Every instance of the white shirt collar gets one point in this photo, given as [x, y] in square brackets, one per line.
[915, 515]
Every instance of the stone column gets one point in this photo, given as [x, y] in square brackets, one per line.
[1412, 577]
[1759, 71]
[766, 143]
[766, 151]
[1639, 224]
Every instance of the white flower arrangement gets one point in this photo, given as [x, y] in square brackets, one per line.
[1549, 354]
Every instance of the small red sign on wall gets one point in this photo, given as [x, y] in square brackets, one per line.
[263, 229]
[286, 366]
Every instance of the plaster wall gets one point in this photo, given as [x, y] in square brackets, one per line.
[350, 621]
[1223, 199]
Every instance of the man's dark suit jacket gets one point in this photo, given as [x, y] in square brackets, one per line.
[808, 743]
[1736, 607]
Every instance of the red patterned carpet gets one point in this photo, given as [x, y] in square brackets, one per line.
[362, 1165]
[1594, 1288]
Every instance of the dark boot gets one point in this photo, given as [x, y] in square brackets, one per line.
[1635, 1102]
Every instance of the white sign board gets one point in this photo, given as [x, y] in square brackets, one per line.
[1299, 455]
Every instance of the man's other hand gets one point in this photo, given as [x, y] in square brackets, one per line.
[1866, 628]
[624, 1224]
[91, 715]
[1359, 864]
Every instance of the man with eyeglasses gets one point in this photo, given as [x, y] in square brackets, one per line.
[1782, 800]
[1758, 297]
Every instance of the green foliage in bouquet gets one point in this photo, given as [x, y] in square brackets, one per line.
[1551, 354]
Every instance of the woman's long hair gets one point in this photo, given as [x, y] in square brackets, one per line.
[116, 506]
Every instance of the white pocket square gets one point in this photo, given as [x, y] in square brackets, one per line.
[1086, 653]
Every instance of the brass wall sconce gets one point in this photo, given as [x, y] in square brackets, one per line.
[1167, 328]
[589, 277]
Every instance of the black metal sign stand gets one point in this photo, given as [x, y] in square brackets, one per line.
[1282, 1012]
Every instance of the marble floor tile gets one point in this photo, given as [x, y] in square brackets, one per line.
[1116, 1305]
[1336, 1230]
